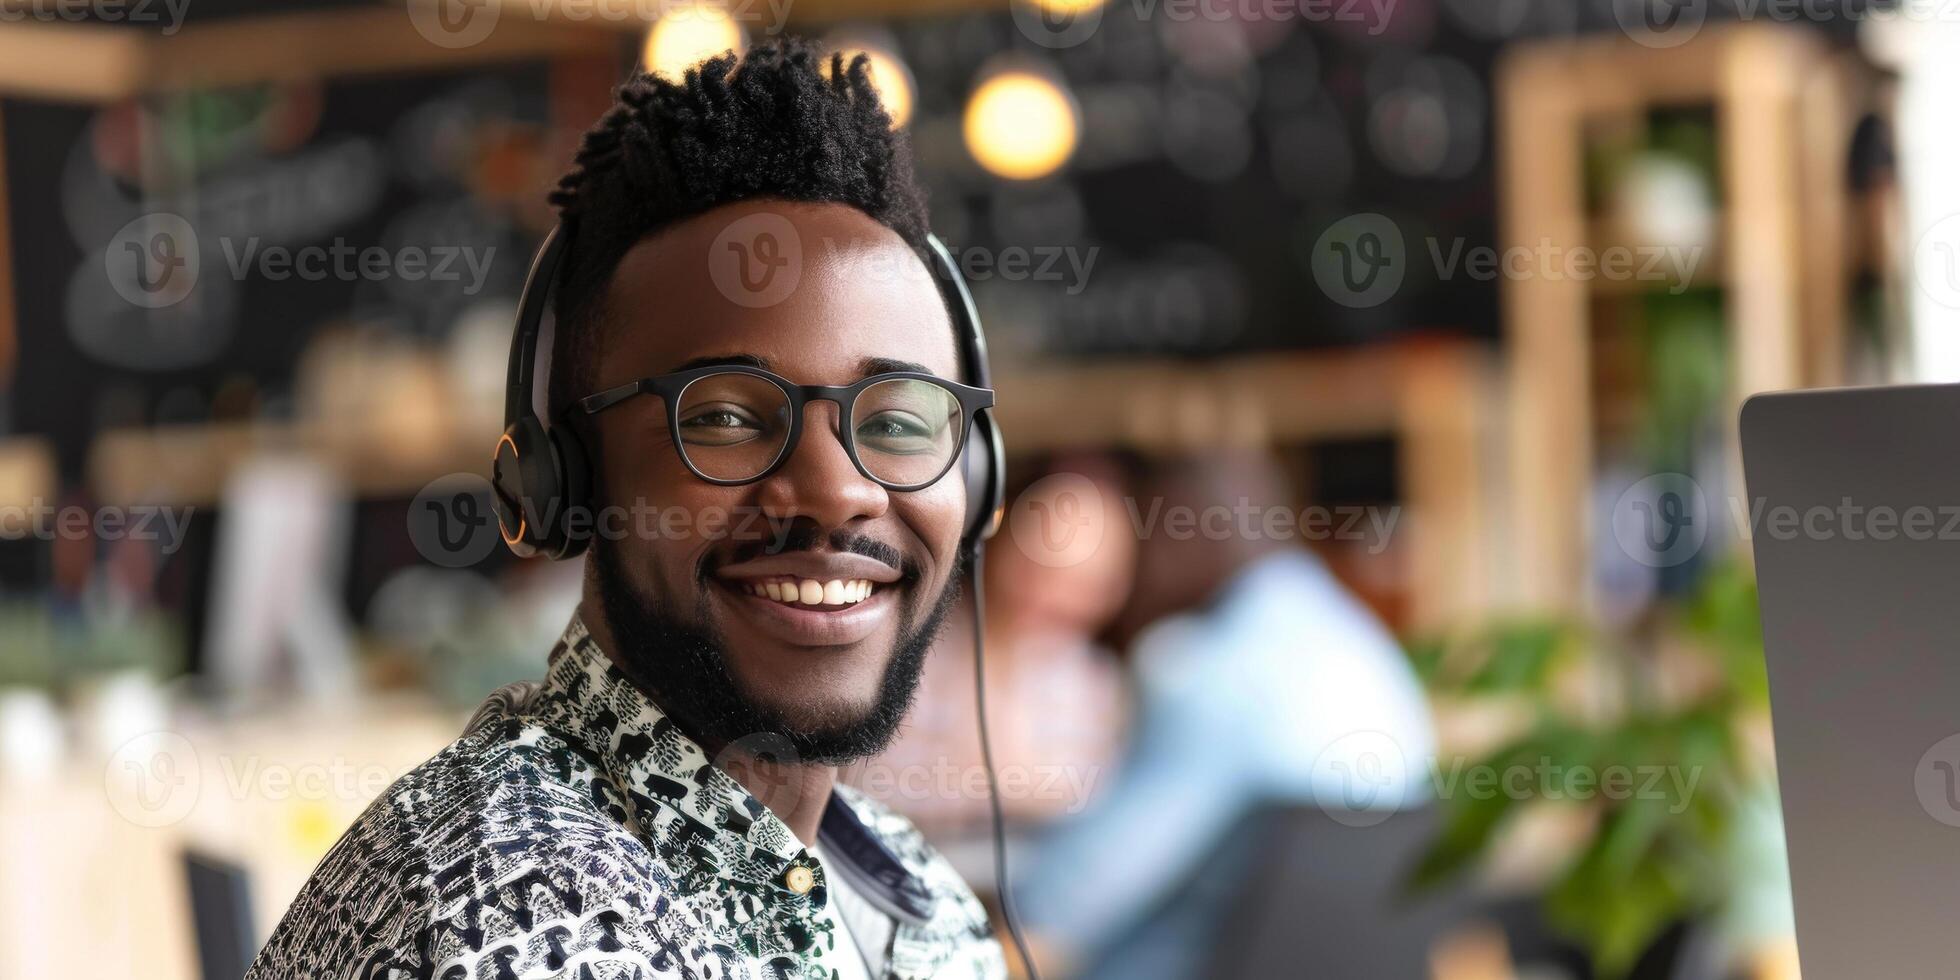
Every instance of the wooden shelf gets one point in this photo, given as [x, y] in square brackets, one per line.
[1785, 106]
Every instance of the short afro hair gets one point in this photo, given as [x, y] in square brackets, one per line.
[771, 124]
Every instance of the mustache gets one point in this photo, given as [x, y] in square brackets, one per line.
[803, 534]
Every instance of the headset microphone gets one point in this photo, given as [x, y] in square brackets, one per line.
[540, 475]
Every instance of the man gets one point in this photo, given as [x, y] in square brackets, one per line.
[1260, 681]
[663, 804]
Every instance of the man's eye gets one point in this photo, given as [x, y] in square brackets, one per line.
[721, 426]
[895, 432]
[717, 420]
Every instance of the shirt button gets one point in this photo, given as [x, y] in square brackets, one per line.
[799, 879]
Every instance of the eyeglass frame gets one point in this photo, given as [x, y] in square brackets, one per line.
[670, 387]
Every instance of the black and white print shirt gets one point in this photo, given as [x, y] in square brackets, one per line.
[573, 831]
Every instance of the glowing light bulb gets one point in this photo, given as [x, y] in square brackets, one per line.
[688, 34]
[1066, 7]
[1021, 125]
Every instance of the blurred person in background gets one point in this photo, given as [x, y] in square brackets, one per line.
[1259, 679]
[663, 804]
[1055, 694]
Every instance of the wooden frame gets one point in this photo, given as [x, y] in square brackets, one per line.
[1784, 122]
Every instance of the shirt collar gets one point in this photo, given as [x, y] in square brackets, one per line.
[660, 767]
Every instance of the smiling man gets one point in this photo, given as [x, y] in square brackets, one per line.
[747, 337]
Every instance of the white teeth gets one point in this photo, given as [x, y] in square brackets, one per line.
[810, 592]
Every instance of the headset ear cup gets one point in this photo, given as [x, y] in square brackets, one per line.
[524, 481]
[983, 466]
[577, 523]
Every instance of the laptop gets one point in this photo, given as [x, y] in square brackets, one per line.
[1854, 499]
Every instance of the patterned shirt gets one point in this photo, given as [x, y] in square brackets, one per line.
[573, 831]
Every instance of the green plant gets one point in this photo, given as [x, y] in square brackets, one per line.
[1676, 700]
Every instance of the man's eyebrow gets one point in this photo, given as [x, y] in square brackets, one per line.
[723, 360]
[885, 365]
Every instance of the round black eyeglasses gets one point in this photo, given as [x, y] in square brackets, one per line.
[736, 424]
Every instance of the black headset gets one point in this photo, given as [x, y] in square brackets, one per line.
[541, 473]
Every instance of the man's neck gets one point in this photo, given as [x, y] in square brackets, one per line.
[796, 794]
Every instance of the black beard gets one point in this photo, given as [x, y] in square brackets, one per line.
[685, 671]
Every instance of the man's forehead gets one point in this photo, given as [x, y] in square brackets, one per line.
[865, 367]
[834, 291]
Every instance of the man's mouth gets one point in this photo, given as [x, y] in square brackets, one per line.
[811, 593]
[813, 598]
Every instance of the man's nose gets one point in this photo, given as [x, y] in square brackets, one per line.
[818, 481]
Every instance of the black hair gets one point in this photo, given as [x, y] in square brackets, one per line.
[771, 124]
